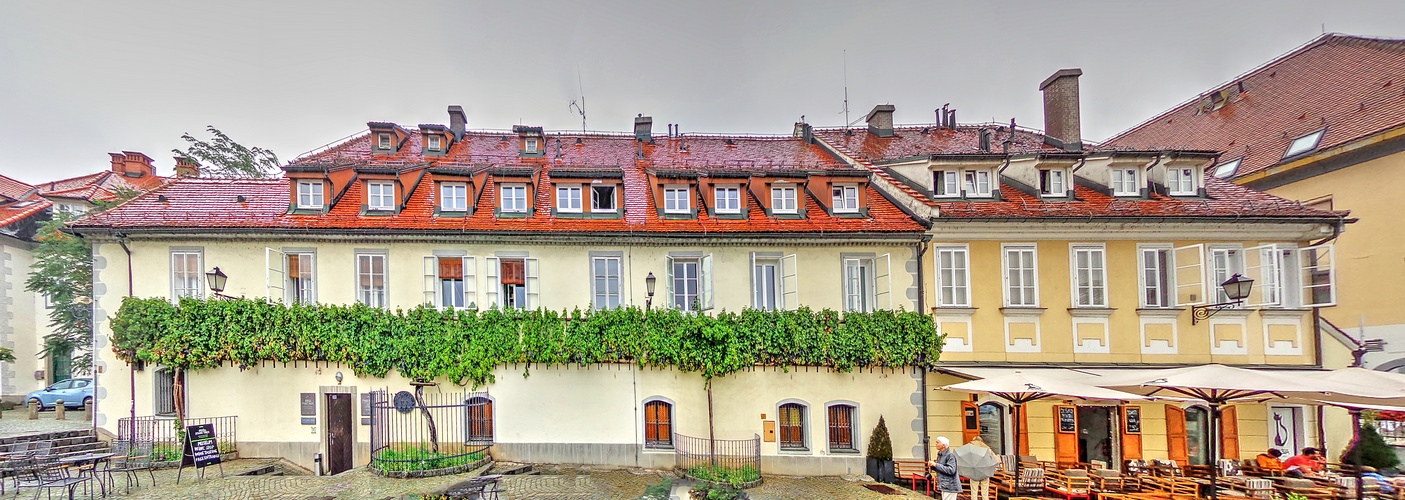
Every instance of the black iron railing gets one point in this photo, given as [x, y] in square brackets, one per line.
[165, 436]
[430, 434]
[734, 461]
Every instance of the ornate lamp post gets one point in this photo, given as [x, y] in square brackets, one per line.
[1236, 288]
[649, 283]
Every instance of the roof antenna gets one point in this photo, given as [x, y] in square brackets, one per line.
[846, 93]
[579, 107]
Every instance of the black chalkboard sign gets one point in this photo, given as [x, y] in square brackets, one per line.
[1134, 419]
[972, 421]
[1068, 419]
[201, 447]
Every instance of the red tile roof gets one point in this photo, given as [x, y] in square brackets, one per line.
[211, 203]
[922, 140]
[1353, 86]
[11, 213]
[12, 189]
[101, 186]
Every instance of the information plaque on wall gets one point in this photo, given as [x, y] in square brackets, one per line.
[309, 404]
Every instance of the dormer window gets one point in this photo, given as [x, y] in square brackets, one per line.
[529, 145]
[568, 198]
[602, 198]
[728, 200]
[380, 196]
[434, 142]
[846, 199]
[453, 197]
[1304, 144]
[675, 200]
[514, 197]
[946, 183]
[1227, 169]
[310, 194]
[978, 183]
[1052, 182]
[387, 141]
[1124, 182]
[783, 200]
[1180, 181]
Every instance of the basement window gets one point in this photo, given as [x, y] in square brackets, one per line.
[1304, 144]
[1227, 169]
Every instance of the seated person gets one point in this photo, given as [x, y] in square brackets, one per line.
[1305, 464]
[1269, 460]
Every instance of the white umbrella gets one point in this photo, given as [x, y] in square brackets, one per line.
[1372, 378]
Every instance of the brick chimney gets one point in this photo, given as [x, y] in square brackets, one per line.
[880, 120]
[187, 167]
[457, 121]
[644, 128]
[1061, 122]
[132, 164]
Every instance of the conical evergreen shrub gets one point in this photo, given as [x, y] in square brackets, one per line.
[1373, 449]
[880, 446]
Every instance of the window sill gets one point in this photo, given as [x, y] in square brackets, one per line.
[795, 451]
[960, 311]
[844, 452]
[659, 449]
[375, 212]
[1283, 313]
[456, 214]
[1023, 311]
[511, 215]
[1160, 312]
[1091, 312]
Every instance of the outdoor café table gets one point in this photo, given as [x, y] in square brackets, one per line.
[89, 459]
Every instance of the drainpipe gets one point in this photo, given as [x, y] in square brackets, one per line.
[925, 365]
[131, 367]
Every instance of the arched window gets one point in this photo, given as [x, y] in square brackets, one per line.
[792, 424]
[480, 419]
[1197, 435]
[841, 427]
[992, 419]
[658, 424]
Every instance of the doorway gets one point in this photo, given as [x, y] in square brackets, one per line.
[340, 439]
[1286, 429]
[1095, 434]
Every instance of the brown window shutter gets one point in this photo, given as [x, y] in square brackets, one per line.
[1131, 441]
[970, 421]
[1065, 442]
[293, 270]
[1023, 438]
[451, 268]
[1229, 433]
[513, 272]
[1176, 447]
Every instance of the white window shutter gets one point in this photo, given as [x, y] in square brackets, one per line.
[275, 274]
[533, 283]
[705, 279]
[1189, 262]
[755, 284]
[668, 282]
[790, 283]
[470, 284]
[1264, 265]
[852, 285]
[1318, 266]
[431, 279]
[883, 280]
[494, 292]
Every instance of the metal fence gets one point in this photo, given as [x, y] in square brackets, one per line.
[723, 459]
[166, 437]
[430, 434]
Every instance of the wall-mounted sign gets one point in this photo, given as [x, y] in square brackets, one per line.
[366, 404]
[1068, 419]
[309, 421]
[1134, 419]
[404, 402]
[309, 403]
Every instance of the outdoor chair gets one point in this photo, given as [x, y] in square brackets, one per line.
[137, 460]
[1069, 484]
[1108, 481]
[41, 448]
[59, 477]
[1306, 488]
[118, 463]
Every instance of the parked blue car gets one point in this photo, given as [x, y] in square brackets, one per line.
[75, 393]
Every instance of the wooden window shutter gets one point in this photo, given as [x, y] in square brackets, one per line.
[451, 268]
[970, 421]
[1065, 440]
[1176, 447]
[513, 272]
[1229, 433]
[1023, 439]
[1131, 433]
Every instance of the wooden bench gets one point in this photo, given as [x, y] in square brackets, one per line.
[1069, 484]
[911, 471]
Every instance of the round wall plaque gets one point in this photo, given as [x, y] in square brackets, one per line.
[404, 402]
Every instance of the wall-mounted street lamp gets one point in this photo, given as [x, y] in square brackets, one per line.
[216, 279]
[1236, 288]
[649, 282]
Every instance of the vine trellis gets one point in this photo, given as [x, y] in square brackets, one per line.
[465, 346]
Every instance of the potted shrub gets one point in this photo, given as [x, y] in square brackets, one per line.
[880, 454]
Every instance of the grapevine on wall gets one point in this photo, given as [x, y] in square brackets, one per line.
[467, 345]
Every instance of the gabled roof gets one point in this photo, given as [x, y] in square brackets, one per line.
[1353, 86]
[910, 141]
[13, 190]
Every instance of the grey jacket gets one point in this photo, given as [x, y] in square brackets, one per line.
[945, 470]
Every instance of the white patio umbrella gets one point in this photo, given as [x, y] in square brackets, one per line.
[1372, 378]
[1019, 388]
[1218, 385]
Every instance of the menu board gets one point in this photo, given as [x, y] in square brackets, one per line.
[1068, 419]
[201, 447]
[1134, 419]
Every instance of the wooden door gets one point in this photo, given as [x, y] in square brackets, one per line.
[340, 439]
[1066, 434]
[970, 422]
[1176, 447]
[1229, 433]
[1131, 433]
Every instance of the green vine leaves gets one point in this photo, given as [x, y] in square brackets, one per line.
[465, 346]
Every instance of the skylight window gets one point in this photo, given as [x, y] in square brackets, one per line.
[1227, 169]
[1304, 144]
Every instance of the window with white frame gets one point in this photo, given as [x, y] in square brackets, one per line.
[434, 141]
[792, 426]
[766, 284]
[867, 283]
[568, 198]
[842, 427]
[1228, 169]
[675, 200]
[1051, 182]
[1124, 182]
[514, 197]
[453, 196]
[301, 286]
[1180, 181]
[370, 279]
[1089, 276]
[529, 145]
[658, 424]
[1156, 267]
[1224, 263]
[727, 199]
[1021, 275]
[846, 199]
[310, 194]
[451, 282]
[946, 183]
[953, 276]
[186, 274]
[690, 282]
[385, 141]
[978, 183]
[380, 196]
[783, 199]
[1304, 144]
[606, 287]
[602, 198]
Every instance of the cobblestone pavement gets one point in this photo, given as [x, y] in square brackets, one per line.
[17, 423]
[361, 484]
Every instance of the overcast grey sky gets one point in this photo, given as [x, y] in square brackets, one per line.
[80, 79]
